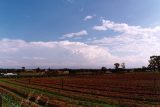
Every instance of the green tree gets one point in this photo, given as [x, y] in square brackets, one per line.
[103, 69]
[116, 65]
[23, 69]
[154, 63]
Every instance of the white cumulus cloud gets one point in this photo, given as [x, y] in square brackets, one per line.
[56, 54]
[119, 27]
[133, 44]
[77, 34]
[89, 17]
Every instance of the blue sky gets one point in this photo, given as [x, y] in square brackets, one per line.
[86, 23]
[48, 20]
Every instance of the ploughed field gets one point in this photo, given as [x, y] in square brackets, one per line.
[101, 90]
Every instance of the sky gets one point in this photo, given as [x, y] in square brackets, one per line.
[78, 33]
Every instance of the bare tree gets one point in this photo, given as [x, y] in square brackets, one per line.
[123, 65]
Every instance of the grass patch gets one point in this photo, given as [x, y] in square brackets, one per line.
[9, 101]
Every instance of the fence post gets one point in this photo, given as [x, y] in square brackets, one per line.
[0, 101]
[62, 83]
